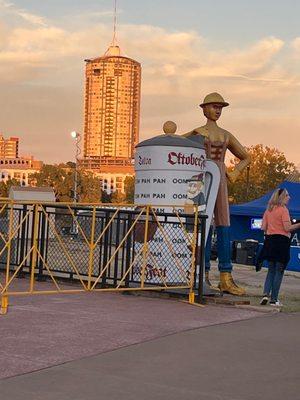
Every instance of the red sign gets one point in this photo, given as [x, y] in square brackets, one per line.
[183, 159]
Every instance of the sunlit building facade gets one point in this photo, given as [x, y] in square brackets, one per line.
[14, 167]
[19, 169]
[9, 148]
[111, 112]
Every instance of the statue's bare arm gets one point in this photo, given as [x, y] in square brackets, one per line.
[239, 151]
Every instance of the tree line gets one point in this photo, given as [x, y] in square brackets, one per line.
[269, 167]
[61, 177]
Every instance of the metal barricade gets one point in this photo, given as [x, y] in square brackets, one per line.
[98, 247]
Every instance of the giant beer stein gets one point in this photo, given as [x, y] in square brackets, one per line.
[173, 170]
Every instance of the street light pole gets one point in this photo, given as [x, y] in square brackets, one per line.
[75, 135]
[247, 182]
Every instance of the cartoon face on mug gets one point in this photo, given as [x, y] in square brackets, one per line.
[195, 192]
[194, 189]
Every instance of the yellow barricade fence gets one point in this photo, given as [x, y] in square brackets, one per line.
[97, 247]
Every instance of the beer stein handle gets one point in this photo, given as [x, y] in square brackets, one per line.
[212, 182]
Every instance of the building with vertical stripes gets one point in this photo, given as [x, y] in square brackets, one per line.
[9, 148]
[111, 112]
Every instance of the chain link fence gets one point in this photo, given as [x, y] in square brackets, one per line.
[101, 247]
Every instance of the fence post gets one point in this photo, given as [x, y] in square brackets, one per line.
[145, 248]
[105, 245]
[4, 296]
[195, 258]
[35, 244]
[128, 249]
[92, 248]
[116, 241]
[22, 240]
[202, 259]
[42, 243]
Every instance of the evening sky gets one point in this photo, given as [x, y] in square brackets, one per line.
[249, 51]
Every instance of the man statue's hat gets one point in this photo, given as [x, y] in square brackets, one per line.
[196, 178]
[214, 98]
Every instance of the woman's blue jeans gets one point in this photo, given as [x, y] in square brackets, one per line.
[274, 279]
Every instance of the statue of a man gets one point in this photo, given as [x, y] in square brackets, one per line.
[217, 141]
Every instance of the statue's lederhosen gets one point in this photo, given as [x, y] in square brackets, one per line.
[216, 150]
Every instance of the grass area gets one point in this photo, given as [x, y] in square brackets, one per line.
[290, 303]
[253, 282]
[289, 298]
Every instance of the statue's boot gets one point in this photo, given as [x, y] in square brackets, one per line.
[208, 288]
[227, 285]
[208, 282]
[210, 291]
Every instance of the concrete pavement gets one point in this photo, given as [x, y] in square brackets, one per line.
[245, 360]
[45, 330]
[111, 346]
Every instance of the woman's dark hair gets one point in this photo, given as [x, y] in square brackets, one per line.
[280, 191]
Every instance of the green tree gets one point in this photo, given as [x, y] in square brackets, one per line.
[3, 189]
[128, 195]
[294, 176]
[61, 179]
[89, 188]
[57, 177]
[129, 189]
[5, 186]
[105, 197]
[118, 197]
[69, 164]
[269, 167]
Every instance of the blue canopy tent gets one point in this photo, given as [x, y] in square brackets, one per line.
[242, 215]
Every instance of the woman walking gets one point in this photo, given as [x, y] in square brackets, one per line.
[276, 250]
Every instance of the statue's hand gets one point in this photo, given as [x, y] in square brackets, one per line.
[189, 207]
[233, 175]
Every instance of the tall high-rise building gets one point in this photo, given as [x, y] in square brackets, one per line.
[111, 112]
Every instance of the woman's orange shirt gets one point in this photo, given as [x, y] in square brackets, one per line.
[273, 221]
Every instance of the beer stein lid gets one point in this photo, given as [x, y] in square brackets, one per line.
[174, 140]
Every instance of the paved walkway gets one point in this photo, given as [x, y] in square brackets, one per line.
[45, 330]
[115, 346]
[246, 360]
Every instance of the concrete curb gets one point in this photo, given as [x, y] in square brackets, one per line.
[262, 309]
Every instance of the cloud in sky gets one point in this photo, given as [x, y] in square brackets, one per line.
[295, 45]
[38, 57]
[13, 10]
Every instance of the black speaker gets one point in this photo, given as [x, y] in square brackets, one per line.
[244, 252]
